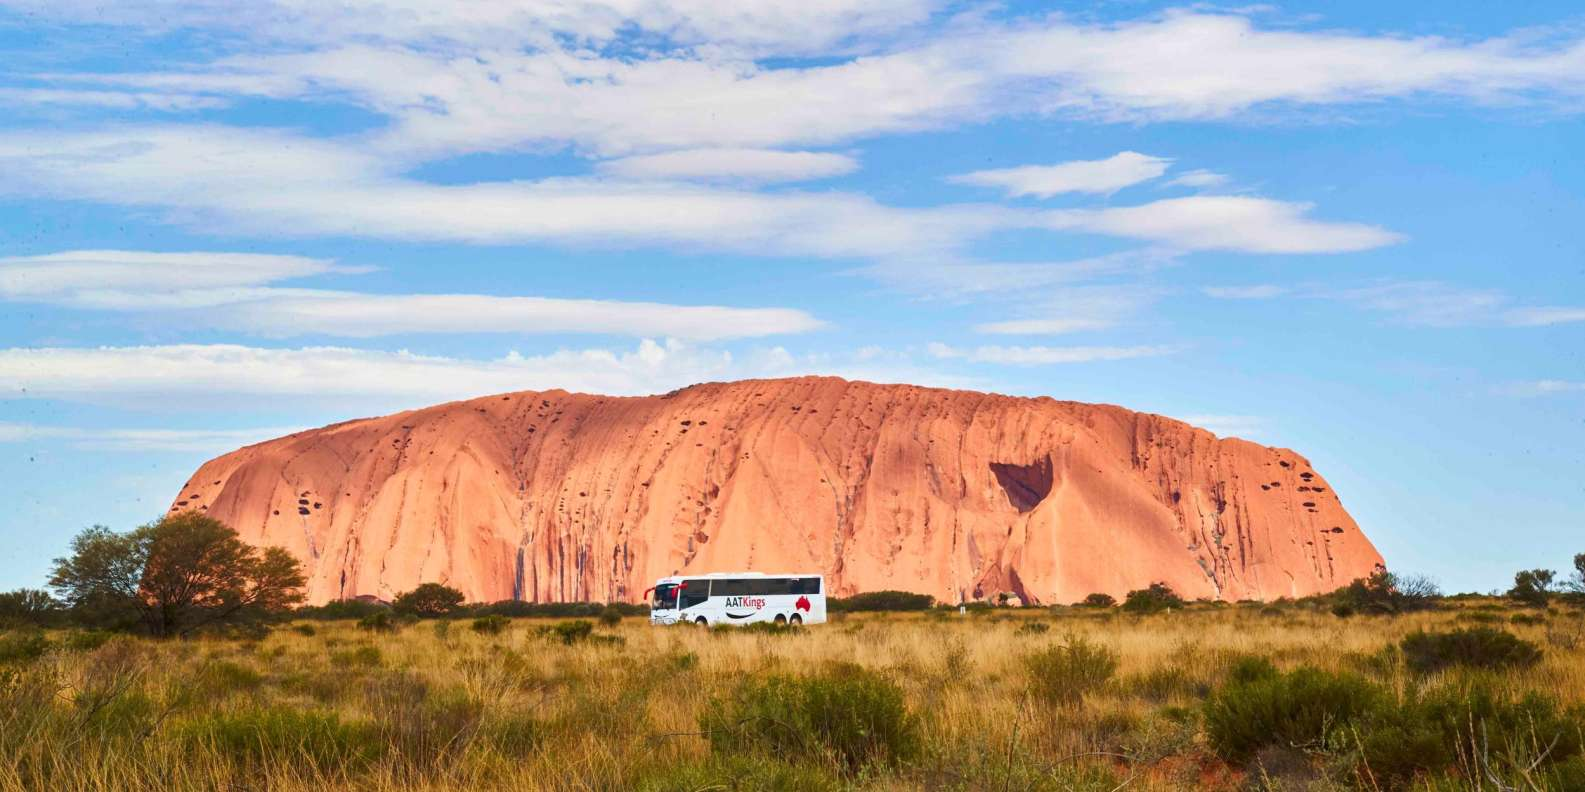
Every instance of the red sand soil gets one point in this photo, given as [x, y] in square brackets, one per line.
[555, 496]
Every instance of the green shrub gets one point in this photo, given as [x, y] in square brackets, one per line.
[86, 640]
[611, 616]
[1475, 647]
[223, 677]
[308, 740]
[716, 772]
[1033, 628]
[491, 625]
[568, 632]
[846, 714]
[1099, 600]
[429, 600]
[378, 621]
[1158, 597]
[21, 647]
[1065, 673]
[880, 601]
[305, 629]
[1301, 709]
[361, 657]
[341, 609]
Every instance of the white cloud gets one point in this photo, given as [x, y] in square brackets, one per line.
[113, 100]
[1544, 387]
[1263, 291]
[748, 165]
[228, 291]
[1428, 303]
[1045, 355]
[1198, 178]
[451, 81]
[1245, 426]
[1042, 326]
[201, 440]
[1255, 225]
[275, 183]
[1542, 316]
[232, 377]
[1082, 176]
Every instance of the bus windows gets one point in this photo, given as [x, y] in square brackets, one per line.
[694, 592]
[809, 585]
[665, 597]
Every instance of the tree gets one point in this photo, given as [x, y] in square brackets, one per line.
[1388, 593]
[1099, 600]
[1158, 597]
[1532, 587]
[176, 575]
[429, 600]
[1577, 584]
[29, 607]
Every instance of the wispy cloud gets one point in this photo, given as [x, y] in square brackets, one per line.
[1198, 178]
[1543, 387]
[1082, 176]
[747, 165]
[1422, 303]
[1263, 291]
[231, 291]
[1045, 355]
[141, 440]
[1203, 222]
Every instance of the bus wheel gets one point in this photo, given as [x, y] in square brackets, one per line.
[781, 619]
[701, 622]
[795, 620]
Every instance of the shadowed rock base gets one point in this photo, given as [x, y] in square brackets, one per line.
[555, 496]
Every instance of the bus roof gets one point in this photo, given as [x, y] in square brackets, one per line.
[740, 575]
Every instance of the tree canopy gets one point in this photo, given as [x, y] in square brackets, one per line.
[429, 600]
[1532, 587]
[175, 575]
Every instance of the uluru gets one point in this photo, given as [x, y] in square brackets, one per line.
[556, 496]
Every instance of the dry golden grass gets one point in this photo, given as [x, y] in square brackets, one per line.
[446, 708]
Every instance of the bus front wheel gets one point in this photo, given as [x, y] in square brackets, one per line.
[701, 622]
[781, 618]
[795, 620]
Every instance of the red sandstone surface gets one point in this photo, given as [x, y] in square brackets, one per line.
[556, 496]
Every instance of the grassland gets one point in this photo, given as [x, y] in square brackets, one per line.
[999, 700]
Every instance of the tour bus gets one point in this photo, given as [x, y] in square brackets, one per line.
[739, 598]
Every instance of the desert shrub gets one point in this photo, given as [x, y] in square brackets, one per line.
[422, 726]
[1475, 647]
[1162, 683]
[568, 632]
[845, 713]
[880, 601]
[1260, 707]
[305, 629]
[30, 607]
[1099, 600]
[1386, 593]
[756, 628]
[611, 615]
[223, 677]
[378, 621]
[308, 740]
[1033, 628]
[762, 773]
[1526, 619]
[1342, 610]
[683, 661]
[20, 647]
[1533, 587]
[341, 609]
[491, 625]
[1154, 599]
[513, 734]
[1065, 673]
[429, 600]
[359, 657]
[85, 640]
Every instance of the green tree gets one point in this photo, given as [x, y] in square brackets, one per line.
[1099, 600]
[1158, 597]
[429, 600]
[1578, 583]
[1532, 587]
[176, 575]
[29, 607]
[1389, 593]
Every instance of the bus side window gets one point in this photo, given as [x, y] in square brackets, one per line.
[808, 585]
[693, 593]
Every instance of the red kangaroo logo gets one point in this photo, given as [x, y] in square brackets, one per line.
[802, 604]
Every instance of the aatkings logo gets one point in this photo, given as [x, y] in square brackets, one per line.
[745, 602]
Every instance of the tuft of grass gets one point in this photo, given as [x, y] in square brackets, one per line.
[569, 632]
[845, 714]
[491, 625]
[1477, 647]
[1065, 673]
[22, 647]
[261, 738]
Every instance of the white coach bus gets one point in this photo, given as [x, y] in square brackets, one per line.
[739, 598]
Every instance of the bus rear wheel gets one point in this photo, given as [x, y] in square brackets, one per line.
[701, 622]
[795, 620]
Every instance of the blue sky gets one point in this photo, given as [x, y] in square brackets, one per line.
[1348, 229]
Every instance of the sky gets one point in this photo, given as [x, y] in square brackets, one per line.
[1351, 229]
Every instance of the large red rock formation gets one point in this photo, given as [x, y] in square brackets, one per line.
[557, 496]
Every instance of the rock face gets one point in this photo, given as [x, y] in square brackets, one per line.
[555, 496]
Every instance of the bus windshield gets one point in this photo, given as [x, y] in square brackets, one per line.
[665, 597]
